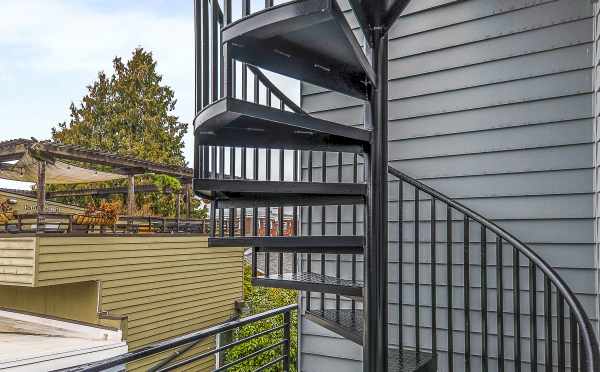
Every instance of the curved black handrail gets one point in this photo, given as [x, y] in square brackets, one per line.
[588, 336]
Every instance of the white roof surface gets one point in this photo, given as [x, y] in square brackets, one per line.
[30, 343]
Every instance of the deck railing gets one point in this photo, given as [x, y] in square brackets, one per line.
[182, 345]
[61, 223]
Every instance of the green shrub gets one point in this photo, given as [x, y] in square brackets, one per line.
[262, 299]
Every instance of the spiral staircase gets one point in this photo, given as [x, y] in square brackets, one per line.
[265, 163]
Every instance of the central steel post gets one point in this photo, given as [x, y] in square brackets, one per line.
[376, 252]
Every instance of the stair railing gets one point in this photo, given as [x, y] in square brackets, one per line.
[249, 83]
[432, 231]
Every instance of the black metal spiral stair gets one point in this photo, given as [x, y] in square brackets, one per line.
[310, 40]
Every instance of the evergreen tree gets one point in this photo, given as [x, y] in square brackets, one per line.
[129, 113]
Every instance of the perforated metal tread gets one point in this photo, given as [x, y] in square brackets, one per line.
[311, 282]
[408, 361]
[309, 40]
[232, 193]
[345, 322]
[349, 244]
[349, 324]
[234, 122]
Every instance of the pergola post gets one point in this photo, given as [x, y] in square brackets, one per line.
[178, 210]
[188, 201]
[41, 193]
[131, 195]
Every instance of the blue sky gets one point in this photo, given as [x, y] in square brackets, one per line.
[50, 50]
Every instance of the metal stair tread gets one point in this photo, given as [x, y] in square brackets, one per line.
[291, 242]
[348, 323]
[250, 193]
[288, 39]
[233, 122]
[311, 282]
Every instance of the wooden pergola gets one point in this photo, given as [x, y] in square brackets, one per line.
[46, 152]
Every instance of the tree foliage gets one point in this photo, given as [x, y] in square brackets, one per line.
[129, 113]
[262, 299]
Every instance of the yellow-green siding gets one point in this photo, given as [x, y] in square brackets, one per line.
[17, 261]
[164, 285]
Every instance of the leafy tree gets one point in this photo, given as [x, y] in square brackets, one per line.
[262, 299]
[129, 113]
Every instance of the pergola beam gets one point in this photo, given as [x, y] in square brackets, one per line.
[14, 149]
[105, 191]
[80, 154]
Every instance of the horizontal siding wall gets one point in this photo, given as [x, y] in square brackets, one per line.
[165, 286]
[17, 261]
[491, 102]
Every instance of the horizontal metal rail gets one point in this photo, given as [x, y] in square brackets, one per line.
[209, 353]
[192, 337]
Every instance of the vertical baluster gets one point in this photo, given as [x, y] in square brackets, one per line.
[268, 97]
[215, 52]
[254, 263]
[221, 162]
[323, 222]
[206, 161]
[231, 221]
[560, 331]
[245, 12]
[449, 284]
[205, 55]
[243, 175]
[533, 316]
[484, 289]
[255, 172]
[517, 310]
[256, 90]
[548, 323]
[295, 211]
[354, 231]
[573, 339]
[400, 261]
[280, 210]
[416, 273]
[338, 257]
[268, 211]
[232, 162]
[500, 303]
[221, 54]
[213, 162]
[433, 280]
[309, 230]
[244, 81]
[227, 63]
[268, 3]
[215, 175]
[232, 176]
[467, 295]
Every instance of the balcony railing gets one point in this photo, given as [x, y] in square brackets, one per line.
[182, 345]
